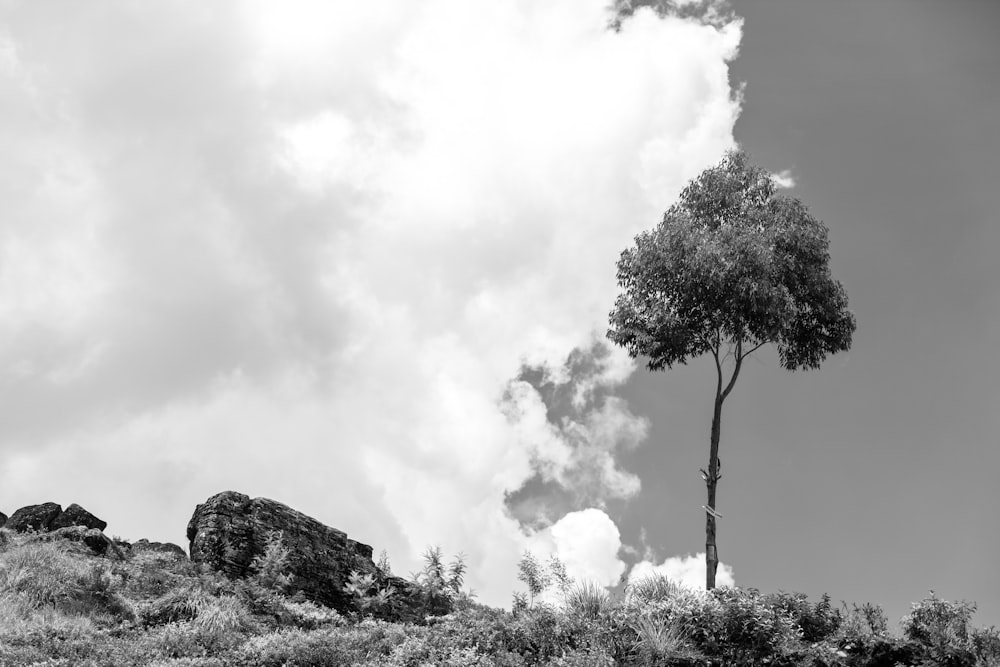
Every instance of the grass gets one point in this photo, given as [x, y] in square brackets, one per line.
[59, 606]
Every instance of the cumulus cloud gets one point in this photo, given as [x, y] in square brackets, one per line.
[688, 571]
[587, 542]
[308, 249]
[783, 179]
[573, 427]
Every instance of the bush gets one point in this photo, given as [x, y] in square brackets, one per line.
[367, 596]
[941, 631]
[440, 585]
[587, 600]
[271, 568]
[985, 645]
[660, 642]
[817, 622]
[737, 626]
[654, 588]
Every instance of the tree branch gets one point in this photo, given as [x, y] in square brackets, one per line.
[718, 371]
[754, 348]
[736, 370]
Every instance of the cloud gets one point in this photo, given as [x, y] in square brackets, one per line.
[688, 571]
[573, 426]
[783, 179]
[587, 542]
[305, 250]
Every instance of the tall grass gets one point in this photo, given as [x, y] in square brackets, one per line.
[587, 600]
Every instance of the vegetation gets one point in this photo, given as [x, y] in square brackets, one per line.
[59, 605]
[732, 267]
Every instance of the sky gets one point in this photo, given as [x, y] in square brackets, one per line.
[358, 258]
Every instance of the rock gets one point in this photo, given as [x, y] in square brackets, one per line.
[159, 547]
[230, 529]
[33, 517]
[3, 519]
[74, 515]
[98, 543]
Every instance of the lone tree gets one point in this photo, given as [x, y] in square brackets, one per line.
[732, 266]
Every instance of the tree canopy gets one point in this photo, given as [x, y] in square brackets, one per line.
[733, 262]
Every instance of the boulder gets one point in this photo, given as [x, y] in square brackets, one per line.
[159, 547]
[230, 529]
[33, 517]
[3, 519]
[74, 515]
[97, 542]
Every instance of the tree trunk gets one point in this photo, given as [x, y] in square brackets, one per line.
[712, 479]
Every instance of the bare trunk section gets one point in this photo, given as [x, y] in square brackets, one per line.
[711, 480]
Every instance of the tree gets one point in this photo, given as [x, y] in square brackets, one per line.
[733, 266]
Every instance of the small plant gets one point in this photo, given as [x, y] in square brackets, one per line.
[534, 576]
[383, 564]
[863, 623]
[440, 585]
[271, 567]
[658, 641]
[558, 574]
[587, 600]
[817, 622]
[368, 597]
[652, 588]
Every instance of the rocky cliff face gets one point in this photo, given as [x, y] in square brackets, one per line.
[230, 529]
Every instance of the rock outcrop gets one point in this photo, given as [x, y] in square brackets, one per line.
[158, 547]
[95, 540]
[51, 516]
[3, 519]
[74, 515]
[74, 523]
[33, 517]
[230, 529]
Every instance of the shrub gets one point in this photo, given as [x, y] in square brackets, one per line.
[587, 600]
[660, 642]
[985, 645]
[736, 626]
[307, 615]
[941, 629]
[440, 585]
[817, 622]
[653, 588]
[270, 569]
[533, 575]
[368, 598]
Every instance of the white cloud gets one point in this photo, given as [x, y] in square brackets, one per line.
[783, 179]
[302, 251]
[688, 571]
[587, 542]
